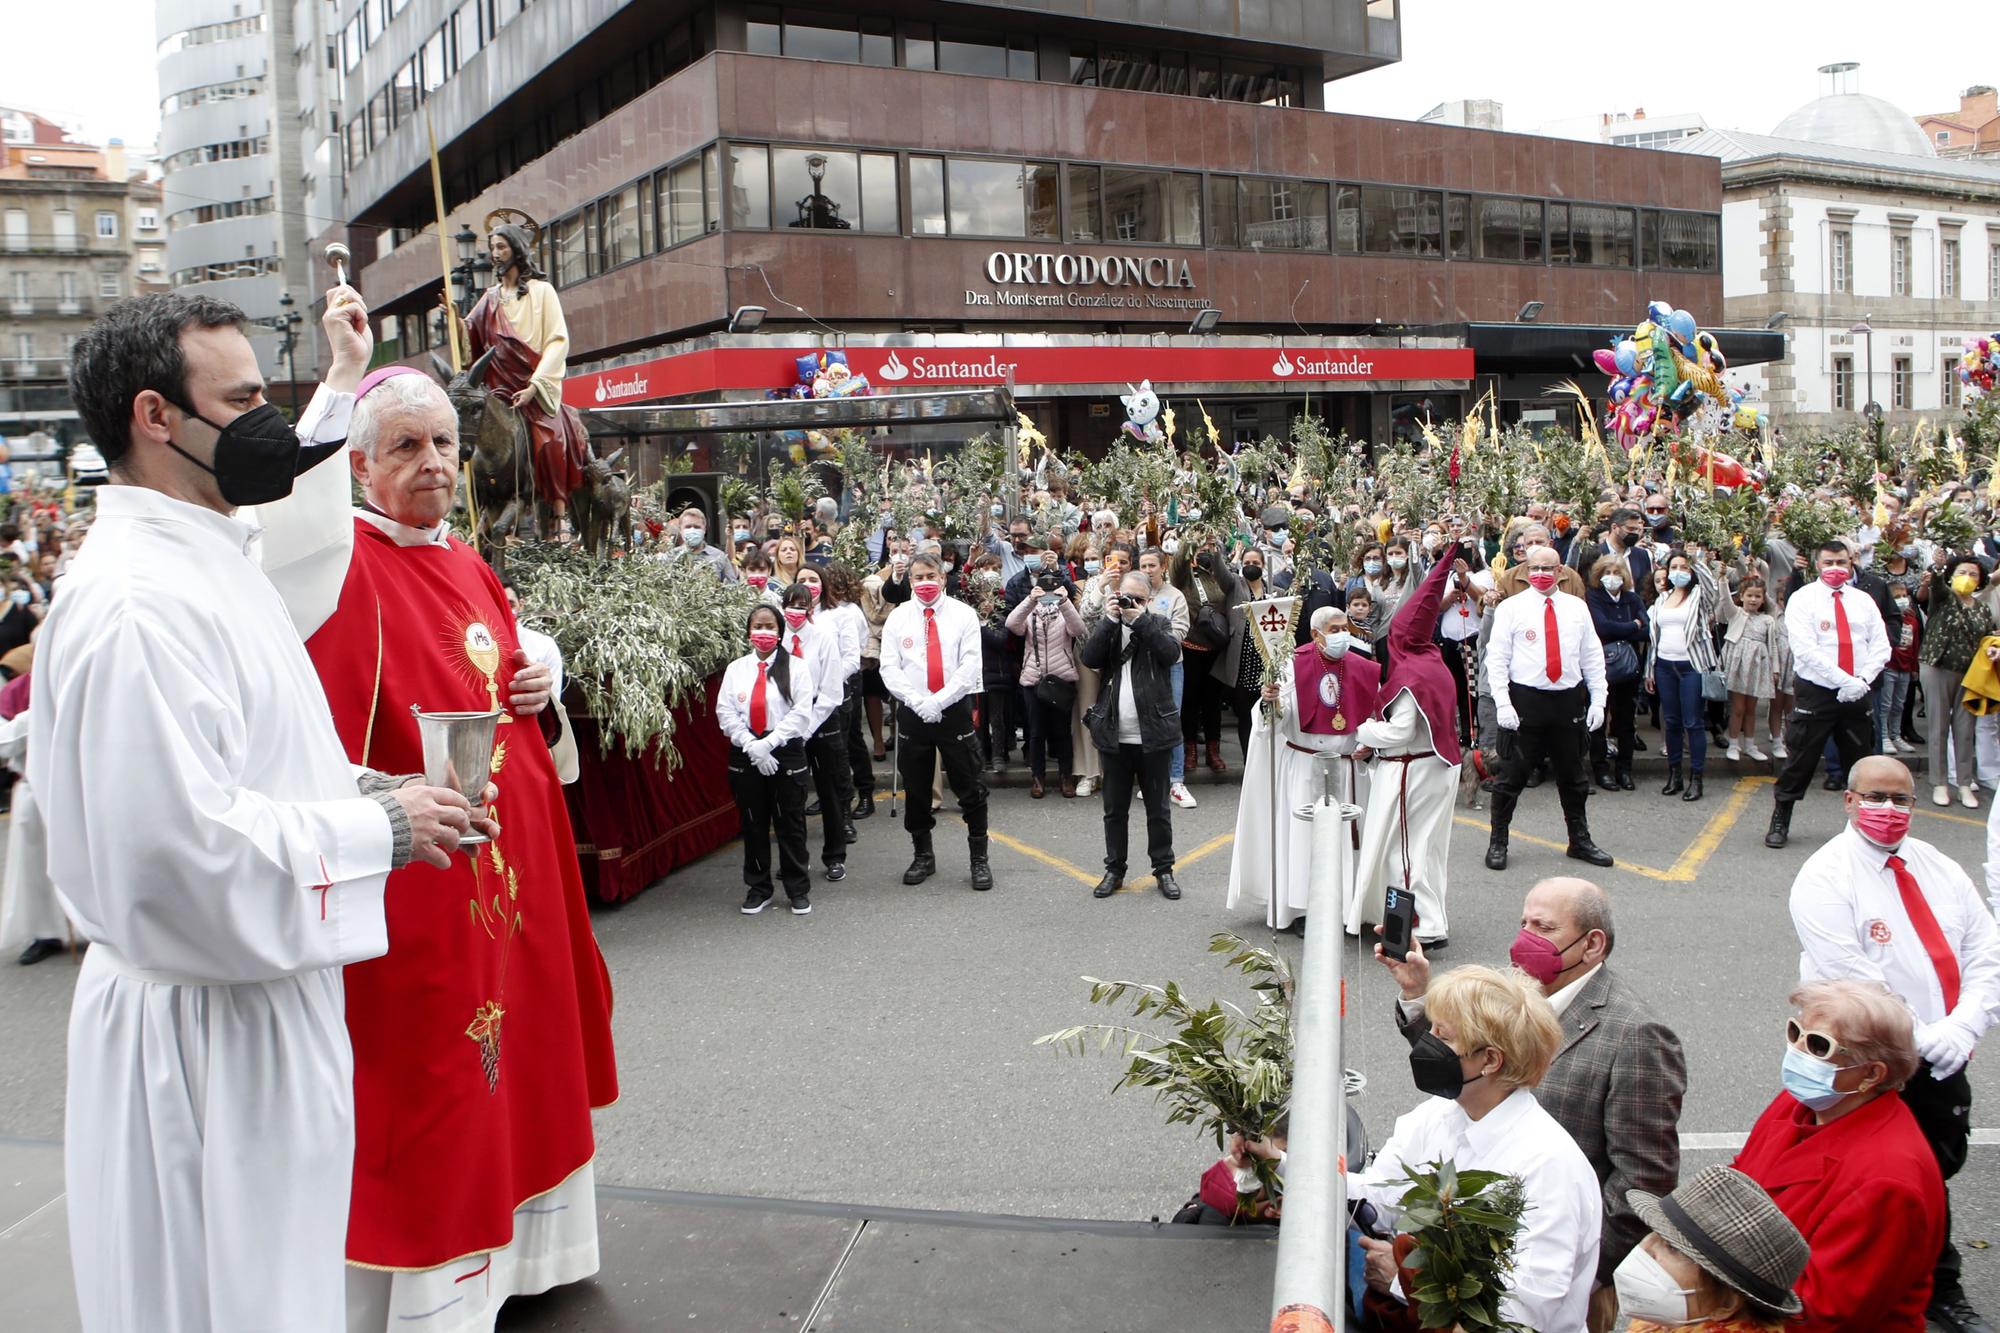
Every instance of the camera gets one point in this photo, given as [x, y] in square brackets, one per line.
[1127, 602]
[1048, 582]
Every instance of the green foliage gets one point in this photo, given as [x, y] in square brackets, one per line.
[638, 635]
[966, 481]
[1413, 485]
[794, 487]
[1217, 1067]
[1466, 1224]
[1807, 521]
[1133, 478]
[1949, 527]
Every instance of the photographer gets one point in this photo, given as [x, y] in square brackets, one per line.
[1052, 628]
[1136, 728]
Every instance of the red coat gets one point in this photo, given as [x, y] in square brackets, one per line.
[1866, 1193]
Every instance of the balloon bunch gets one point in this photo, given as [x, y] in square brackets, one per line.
[1979, 366]
[1665, 373]
[820, 375]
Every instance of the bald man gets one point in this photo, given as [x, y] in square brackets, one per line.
[1616, 1083]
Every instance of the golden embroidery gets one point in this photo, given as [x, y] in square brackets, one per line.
[501, 921]
[472, 644]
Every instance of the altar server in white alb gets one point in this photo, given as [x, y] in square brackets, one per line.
[1338, 694]
[211, 841]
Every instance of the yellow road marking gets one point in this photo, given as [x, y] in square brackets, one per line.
[1214, 844]
[1690, 861]
[1049, 859]
[1956, 819]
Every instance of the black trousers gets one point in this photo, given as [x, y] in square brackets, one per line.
[778, 801]
[1551, 728]
[860, 759]
[1817, 716]
[954, 739]
[1151, 770]
[1453, 652]
[1201, 697]
[1048, 733]
[1943, 1108]
[1614, 738]
[826, 750]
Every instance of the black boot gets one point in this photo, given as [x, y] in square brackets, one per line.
[1109, 885]
[865, 806]
[1780, 831]
[1496, 843]
[925, 864]
[1693, 792]
[1624, 772]
[1674, 782]
[982, 872]
[1581, 848]
[1601, 774]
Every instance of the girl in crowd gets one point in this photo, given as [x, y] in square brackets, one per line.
[1392, 586]
[786, 561]
[1956, 620]
[840, 606]
[765, 709]
[1082, 549]
[1906, 634]
[1683, 647]
[1620, 619]
[1049, 623]
[819, 645]
[1749, 663]
[757, 574]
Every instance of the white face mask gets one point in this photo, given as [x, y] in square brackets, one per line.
[1614, 584]
[1647, 1291]
[1334, 645]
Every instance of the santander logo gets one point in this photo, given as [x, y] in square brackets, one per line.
[610, 390]
[893, 369]
[1283, 365]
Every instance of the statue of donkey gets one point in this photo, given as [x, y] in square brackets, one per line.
[493, 437]
[601, 509]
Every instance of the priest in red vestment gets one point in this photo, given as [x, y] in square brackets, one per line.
[483, 1040]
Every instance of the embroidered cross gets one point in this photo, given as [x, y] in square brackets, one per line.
[1272, 621]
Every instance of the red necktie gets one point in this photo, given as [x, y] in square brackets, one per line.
[1846, 639]
[1554, 638]
[933, 652]
[1927, 930]
[797, 651]
[760, 718]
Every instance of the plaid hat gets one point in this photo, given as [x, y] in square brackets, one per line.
[1724, 1221]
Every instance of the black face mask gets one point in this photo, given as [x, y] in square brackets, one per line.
[1438, 1069]
[257, 455]
[1253, 572]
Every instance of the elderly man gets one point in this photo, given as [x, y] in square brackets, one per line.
[1319, 697]
[1545, 668]
[1617, 1081]
[1877, 905]
[1136, 728]
[693, 524]
[1514, 578]
[206, 835]
[483, 1042]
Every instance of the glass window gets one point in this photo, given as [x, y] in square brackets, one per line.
[681, 201]
[350, 45]
[1347, 219]
[927, 196]
[1837, 256]
[1499, 228]
[107, 224]
[1086, 204]
[1021, 58]
[879, 212]
[1399, 222]
[1649, 238]
[1284, 215]
[1843, 383]
[1560, 251]
[764, 36]
[1044, 200]
[403, 87]
[817, 189]
[464, 25]
[1595, 234]
[1948, 267]
[1901, 381]
[1205, 76]
[107, 286]
[711, 188]
[1531, 230]
[1152, 207]
[1222, 230]
[919, 46]
[1948, 379]
[1083, 63]
[814, 36]
[1123, 67]
[987, 198]
[749, 185]
[963, 52]
[618, 223]
[572, 249]
[1691, 243]
[379, 123]
[1457, 234]
[878, 42]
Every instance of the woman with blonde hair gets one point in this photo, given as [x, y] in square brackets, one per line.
[787, 559]
[1492, 1038]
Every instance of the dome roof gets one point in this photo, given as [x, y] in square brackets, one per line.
[1855, 120]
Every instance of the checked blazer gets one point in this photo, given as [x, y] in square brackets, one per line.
[1616, 1085]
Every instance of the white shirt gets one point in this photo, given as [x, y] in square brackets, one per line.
[851, 623]
[1517, 654]
[1851, 923]
[905, 657]
[1815, 638]
[1129, 732]
[1555, 1256]
[1674, 622]
[820, 644]
[788, 721]
[1562, 999]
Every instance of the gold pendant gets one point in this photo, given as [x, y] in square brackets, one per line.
[1340, 721]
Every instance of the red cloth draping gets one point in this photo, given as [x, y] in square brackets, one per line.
[634, 821]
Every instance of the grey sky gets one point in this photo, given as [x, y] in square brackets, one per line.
[1742, 66]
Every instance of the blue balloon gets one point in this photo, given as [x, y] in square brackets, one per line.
[1626, 353]
[1681, 324]
[1658, 312]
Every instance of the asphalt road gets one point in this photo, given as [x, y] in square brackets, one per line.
[880, 1050]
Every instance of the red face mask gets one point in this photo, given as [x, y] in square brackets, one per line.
[1885, 826]
[757, 581]
[764, 640]
[1835, 576]
[813, 589]
[1537, 955]
[927, 591]
[797, 619]
[1542, 580]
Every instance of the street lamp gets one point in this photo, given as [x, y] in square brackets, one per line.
[1528, 312]
[1779, 318]
[464, 275]
[1205, 320]
[747, 319]
[287, 324]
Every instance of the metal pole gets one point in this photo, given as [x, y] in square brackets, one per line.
[1312, 1243]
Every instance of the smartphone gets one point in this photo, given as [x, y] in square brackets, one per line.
[1399, 922]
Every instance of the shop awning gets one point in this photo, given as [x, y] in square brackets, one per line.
[945, 407]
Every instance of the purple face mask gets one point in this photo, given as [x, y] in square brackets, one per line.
[1539, 956]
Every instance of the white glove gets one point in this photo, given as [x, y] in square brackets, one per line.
[1594, 718]
[757, 751]
[1946, 1045]
[928, 709]
[767, 764]
[1509, 719]
[1853, 690]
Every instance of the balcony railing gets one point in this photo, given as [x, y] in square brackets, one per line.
[51, 243]
[19, 369]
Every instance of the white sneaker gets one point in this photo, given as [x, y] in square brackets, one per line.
[1750, 748]
[1085, 786]
[1940, 795]
[1778, 750]
[1181, 796]
[1969, 796]
[1735, 751]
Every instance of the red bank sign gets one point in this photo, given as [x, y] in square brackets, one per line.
[892, 369]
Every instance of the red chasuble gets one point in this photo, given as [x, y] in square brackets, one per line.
[483, 1038]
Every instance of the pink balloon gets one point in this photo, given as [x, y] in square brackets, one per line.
[1606, 361]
